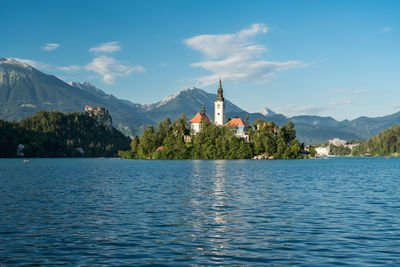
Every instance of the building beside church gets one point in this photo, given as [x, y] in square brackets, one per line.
[198, 119]
[242, 128]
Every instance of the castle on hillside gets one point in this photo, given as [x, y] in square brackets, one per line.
[101, 115]
[98, 109]
[241, 126]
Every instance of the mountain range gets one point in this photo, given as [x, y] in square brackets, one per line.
[25, 90]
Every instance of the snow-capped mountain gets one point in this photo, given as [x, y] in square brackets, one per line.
[267, 112]
[24, 90]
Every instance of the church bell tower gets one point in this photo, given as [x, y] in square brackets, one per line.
[219, 106]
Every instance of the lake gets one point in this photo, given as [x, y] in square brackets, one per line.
[334, 211]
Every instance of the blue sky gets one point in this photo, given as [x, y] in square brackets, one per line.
[328, 58]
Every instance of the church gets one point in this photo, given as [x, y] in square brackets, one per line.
[241, 126]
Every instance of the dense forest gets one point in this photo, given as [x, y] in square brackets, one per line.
[57, 134]
[386, 143]
[173, 140]
[339, 150]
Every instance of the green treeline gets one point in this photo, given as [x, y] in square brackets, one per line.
[386, 143]
[339, 150]
[55, 134]
[173, 140]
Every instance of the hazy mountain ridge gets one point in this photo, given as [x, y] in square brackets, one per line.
[25, 90]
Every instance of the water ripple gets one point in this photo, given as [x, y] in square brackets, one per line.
[179, 213]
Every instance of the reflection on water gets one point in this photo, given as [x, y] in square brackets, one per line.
[219, 239]
[209, 219]
[108, 212]
[219, 193]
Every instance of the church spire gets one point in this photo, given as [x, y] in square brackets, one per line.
[219, 106]
[220, 95]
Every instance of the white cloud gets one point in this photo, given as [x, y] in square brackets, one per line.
[338, 98]
[71, 68]
[109, 68]
[47, 67]
[293, 110]
[386, 29]
[108, 47]
[341, 101]
[36, 64]
[397, 106]
[50, 46]
[356, 92]
[235, 57]
[253, 30]
[347, 92]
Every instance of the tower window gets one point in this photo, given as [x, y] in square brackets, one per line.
[218, 114]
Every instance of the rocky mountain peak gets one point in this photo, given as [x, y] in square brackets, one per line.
[82, 84]
[88, 87]
[14, 62]
[266, 111]
[169, 98]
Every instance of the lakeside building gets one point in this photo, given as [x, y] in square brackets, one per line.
[326, 149]
[322, 151]
[337, 142]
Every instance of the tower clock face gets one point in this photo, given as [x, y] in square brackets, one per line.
[219, 106]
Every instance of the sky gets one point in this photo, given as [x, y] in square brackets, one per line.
[327, 58]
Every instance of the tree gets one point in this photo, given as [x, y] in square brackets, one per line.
[148, 142]
[280, 145]
[313, 152]
[244, 151]
[294, 150]
[214, 142]
[163, 130]
[180, 126]
[134, 152]
[289, 132]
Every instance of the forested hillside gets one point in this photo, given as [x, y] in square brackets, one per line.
[386, 143]
[55, 134]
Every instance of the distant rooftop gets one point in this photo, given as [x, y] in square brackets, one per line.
[237, 122]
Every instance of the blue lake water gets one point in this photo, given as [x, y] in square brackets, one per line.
[125, 212]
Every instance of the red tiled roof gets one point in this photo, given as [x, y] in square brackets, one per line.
[200, 117]
[237, 122]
